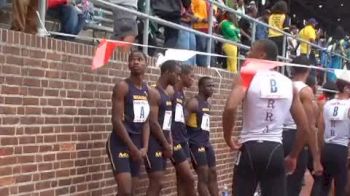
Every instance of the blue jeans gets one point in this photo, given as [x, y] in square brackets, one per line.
[201, 45]
[2, 3]
[187, 41]
[71, 21]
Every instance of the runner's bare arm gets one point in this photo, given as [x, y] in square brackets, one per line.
[229, 115]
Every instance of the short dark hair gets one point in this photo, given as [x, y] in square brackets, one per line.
[186, 69]
[303, 60]
[133, 52]
[202, 80]
[341, 84]
[269, 47]
[330, 85]
[311, 80]
[168, 66]
[280, 7]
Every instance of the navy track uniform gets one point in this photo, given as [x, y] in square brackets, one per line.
[136, 111]
[181, 150]
[198, 127]
[156, 160]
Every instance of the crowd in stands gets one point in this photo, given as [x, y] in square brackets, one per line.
[74, 14]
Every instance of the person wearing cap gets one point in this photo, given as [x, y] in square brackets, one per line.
[334, 125]
[308, 33]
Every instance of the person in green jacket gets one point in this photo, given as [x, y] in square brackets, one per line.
[229, 29]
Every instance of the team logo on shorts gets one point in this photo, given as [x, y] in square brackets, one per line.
[177, 147]
[123, 155]
[158, 154]
[201, 149]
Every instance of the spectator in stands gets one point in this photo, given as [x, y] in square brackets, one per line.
[24, 16]
[278, 19]
[292, 42]
[125, 25]
[337, 46]
[71, 18]
[240, 8]
[308, 33]
[200, 12]
[170, 10]
[253, 5]
[245, 26]
[187, 40]
[229, 29]
[261, 30]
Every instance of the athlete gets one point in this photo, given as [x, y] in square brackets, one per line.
[265, 102]
[160, 143]
[198, 127]
[181, 153]
[306, 96]
[127, 145]
[334, 124]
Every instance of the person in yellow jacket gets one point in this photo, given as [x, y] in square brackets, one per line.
[278, 19]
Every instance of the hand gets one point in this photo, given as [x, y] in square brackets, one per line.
[234, 144]
[136, 154]
[290, 164]
[318, 168]
[168, 151]
[143, 152]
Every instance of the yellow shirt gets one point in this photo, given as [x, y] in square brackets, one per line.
[199, 9]
[277, 21]
[307, 33]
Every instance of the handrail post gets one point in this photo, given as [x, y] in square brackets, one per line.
[146, 27]
[253, 32]
[284, 51]
[42, 13]
[210, 32]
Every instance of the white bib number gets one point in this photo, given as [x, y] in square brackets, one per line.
[205, 122]
[167, 121]
[271, 89]
[339, 112]
[141, 111]
[179, 113]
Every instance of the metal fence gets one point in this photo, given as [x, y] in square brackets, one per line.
[210, 35]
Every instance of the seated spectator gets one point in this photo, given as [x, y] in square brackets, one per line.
[229, 29]
[245, 26]
[71, 19]
[24, 16]
[125, 25]
[261, 30]
[278, 19]
[187, 40]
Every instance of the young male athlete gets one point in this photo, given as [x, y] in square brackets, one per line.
[334, 125]
[198, 127]
[160, 143]
[265, 102]
[181, 153]
[127, 145]
[306, 96]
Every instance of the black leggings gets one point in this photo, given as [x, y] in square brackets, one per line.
[263, 163]
[334, 162]
[294, 181]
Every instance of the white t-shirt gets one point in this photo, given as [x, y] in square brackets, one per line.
[337, 121]
[267, 102]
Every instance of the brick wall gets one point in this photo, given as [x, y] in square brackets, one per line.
[55, 117]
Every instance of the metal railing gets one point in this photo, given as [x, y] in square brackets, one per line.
[147, 18]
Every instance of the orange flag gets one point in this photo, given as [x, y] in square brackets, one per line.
[104, 52]
[251, 66]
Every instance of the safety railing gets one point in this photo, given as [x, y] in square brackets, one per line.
[147, 18]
